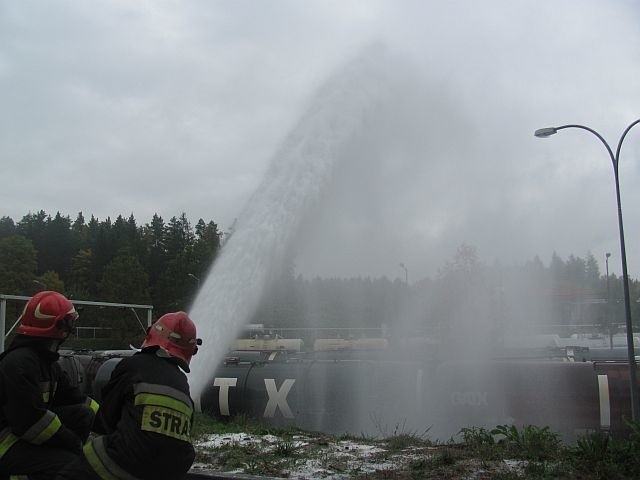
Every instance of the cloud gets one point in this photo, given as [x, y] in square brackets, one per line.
[120, 107]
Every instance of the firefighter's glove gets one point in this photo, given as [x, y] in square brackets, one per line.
[66, 439]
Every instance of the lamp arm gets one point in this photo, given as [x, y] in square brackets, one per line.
[624, 134]
[613, 159]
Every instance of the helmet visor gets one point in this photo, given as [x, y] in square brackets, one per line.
[66, 323]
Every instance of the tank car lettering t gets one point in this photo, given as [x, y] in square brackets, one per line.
[223, 395]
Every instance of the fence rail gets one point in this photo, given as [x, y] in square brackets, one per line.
[21, 298]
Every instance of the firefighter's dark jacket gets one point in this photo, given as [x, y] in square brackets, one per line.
[146, 414]
[32, 384]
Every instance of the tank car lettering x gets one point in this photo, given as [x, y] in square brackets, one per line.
[223, 395]
[278, 398]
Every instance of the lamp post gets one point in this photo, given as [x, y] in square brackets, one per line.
[406, 273]
[195, 278]
[608, 312]
[546, 132]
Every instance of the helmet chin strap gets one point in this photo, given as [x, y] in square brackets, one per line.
[162, 353]
[54, 344]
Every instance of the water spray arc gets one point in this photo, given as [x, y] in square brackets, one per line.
[546, 132]
[298, 172]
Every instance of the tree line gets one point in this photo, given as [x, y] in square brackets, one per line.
[467, 298]
[158, 263]
[163, 263]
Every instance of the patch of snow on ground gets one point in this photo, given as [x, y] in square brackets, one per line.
[337, 460]
[302, 457]
[217, 441]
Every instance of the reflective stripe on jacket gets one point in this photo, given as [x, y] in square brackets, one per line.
[7, 439]
[43, 429]
[104, 466]
[92, 404]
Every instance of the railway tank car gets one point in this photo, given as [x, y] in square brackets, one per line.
[358, 396]
[380, 395]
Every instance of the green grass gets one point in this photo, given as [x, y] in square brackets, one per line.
[604, 457]
[204, 424]
[402, 441]
[529, 442]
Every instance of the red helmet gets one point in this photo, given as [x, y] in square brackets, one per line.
[175, 333]
[47, 314]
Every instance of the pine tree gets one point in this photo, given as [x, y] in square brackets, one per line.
[18, 263]
[7, 227]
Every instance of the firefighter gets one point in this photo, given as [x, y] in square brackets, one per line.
[146, 411]
[44, 419]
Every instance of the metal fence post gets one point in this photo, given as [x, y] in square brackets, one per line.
[3, 317]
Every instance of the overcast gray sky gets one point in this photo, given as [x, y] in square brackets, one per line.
[140, 107]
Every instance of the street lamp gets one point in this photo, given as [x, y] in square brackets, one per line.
[607, 311]
[546, 132]
[195, 278]
[406, 273]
